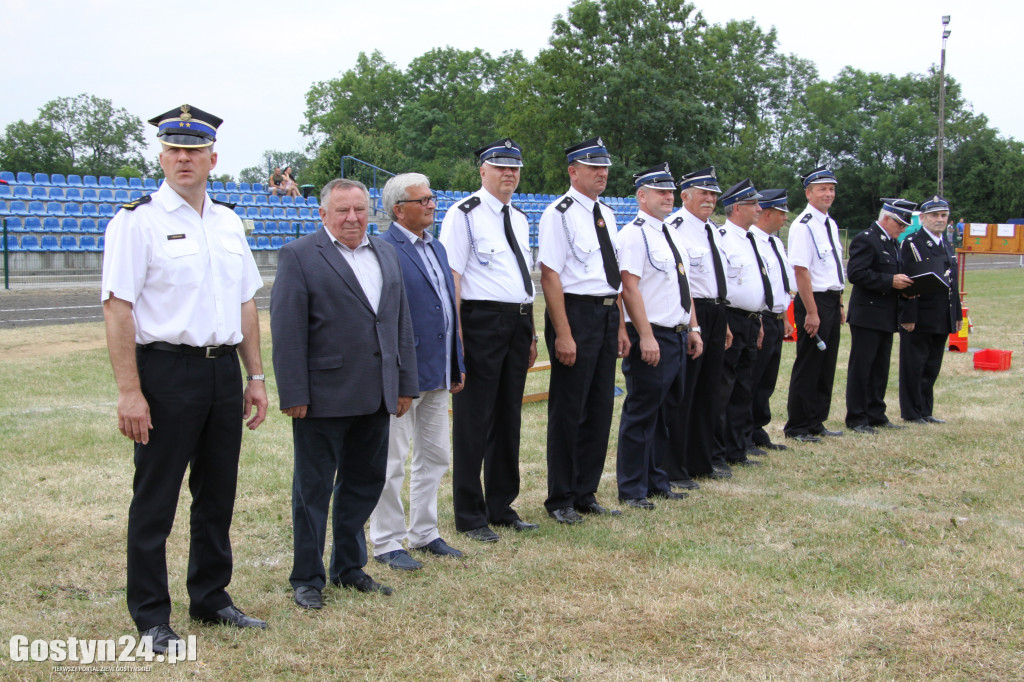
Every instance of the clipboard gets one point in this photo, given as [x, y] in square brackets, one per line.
[925, 283]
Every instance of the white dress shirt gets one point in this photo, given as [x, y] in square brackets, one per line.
[644, 252]
[809, 247]
[743, 277]
[764, 241]
[569, 245]
[701, 266]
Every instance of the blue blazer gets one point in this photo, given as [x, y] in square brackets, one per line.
[427, 311]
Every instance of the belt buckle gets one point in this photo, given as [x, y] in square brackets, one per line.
[522, 308]
[608, 301]
[209, 350]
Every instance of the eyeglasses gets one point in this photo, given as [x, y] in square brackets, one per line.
[424, 201]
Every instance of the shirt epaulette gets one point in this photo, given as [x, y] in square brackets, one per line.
[605, 205]
[223, 203]
[677, 222]
[469, 204]
[564, 204]
[520, 210]
[806, 219]
[132, 205]
[639, 222]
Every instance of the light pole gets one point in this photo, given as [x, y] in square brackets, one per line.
[942, 99]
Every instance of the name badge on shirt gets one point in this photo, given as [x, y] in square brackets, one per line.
[175, 236]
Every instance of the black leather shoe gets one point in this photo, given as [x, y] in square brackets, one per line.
[745, 463]
[482, 534]
[596, 509]
[719, 471]
[231, 615]
[519, 525]
[566, 515]
[669, 495]
[919, 420]
[367, 584]
[772, 446]
[162, 636]
[934, 420]
[864, 428]
[756, 451]
[308, 597]
[399, 560]
[688, 484]
[439, 547]
[805, 438]
[888, 425]
[641, 503]
[830, 434]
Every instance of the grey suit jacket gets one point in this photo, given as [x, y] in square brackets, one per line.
[331, 352]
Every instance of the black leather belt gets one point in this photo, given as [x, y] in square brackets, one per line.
[830, 293]
[674, 330]
[744, 313]
[596, 300]
[710, 301]
[200, 351]
[520, 308]
[774, 316]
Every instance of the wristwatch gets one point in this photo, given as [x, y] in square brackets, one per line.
[693, 329]
[256, 377]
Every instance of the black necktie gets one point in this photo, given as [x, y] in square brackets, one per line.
[513, 244]
[769, 299]
[785, 277]
[684, 285]
[611, 266]
[835, 253]
[717, 258]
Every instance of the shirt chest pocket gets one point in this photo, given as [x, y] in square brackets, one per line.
[586, 245]
[181, 261]
[490, 248]
[697, 257]
[662, 258]
[737, 266]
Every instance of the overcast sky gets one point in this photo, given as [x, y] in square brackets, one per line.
[252, 62]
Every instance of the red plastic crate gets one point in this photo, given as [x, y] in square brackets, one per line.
[990, 358]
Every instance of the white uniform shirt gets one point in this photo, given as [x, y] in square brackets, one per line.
[809, 248]
[764, 247]
[185, 275]
[480, 254]
[364, 263]
[701, 266]
[644, 252]
[743, 277]
[569, 245]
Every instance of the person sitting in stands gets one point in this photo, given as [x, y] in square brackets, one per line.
[275, 183]
[288, 184]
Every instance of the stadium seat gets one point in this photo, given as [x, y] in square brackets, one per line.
[235, 198]
[262, 243]
[120, 183]
[270, 227]
[150, 184]
[42, 179]
[258, 227]
[33, 224]
[87, 242]
[373, 228]
[69, 225]
[279, 212]
[121, 196]
[49, 243]
[74, 181]
[18, 208]
[252, 243]
[99, 244]
[89, 181]
[247, 200]
[58, 180]
[218, 186]
[90, 194]
[22, 192]
[30, 242]
[69, 242]
[252, 212]
[87, 225]
[57, 194]
[51, 225]
[36, 208]
[220, 196]
[230, 187]
[72, 208]
[257, 188]
[3, 208]
[289, 239]
[25, 178]
[90, 210]
[135, 183]
[40, 192]
[105, 181]
[12, 243]
[240, 212]
[107, 211]
[309, 227]
[276, 243]
[136, 194]
[73, 194]
[295, 227]
[101, 224]
[106, 194]
[260, 199]
[292, 213]
[274, 200]
[305, 214]
[55, 208]
[8, 177]
[6, 192]
[14, 224]
[287, 201]
[312, 201]
[245, 188]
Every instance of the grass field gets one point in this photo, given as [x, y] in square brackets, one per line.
[898, 556]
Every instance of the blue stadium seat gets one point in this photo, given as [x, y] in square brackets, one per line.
[87, 242]
[57, 193]
[289, 239]
[247, 200]
[292, 213]
[121, 196]
[107, 211]
[36, 208]
[8, 176]
[14, 224]
[69, 242]
[276, 243]
[58, 180]
[220, 196]
[260, 199]
[245, 187]
[49, 243]
[51, 225]
[33, 224]
[106, 181]
[55, 208]
[42, 179]
[295, 227]
[74, 181]
[120, 183]
[30, 242]
[312, 201]
[40, 192]
[18, 208]
[12, 243]
[90, 210]
[373, 228]
[73, 194]
[136, 194]
[3, 208]
[25, 178]
[87, 225]
[258, 227]
[258, 187]
[308, 227]
[279, 212]
[270, 227]
[252, 242]
[287, 201]
[6, 192]
[69, 225]
[252, 212]
[135, 183]
[274, 200]
[101, 224]
[90, 194]
[99, 244]
[90, 181]
[230, 187]
[218, 186]
[267, 212]
[22, 192]
[262, 243]
[235, 198]
[106, 194]
[240, 212]
[150, 184]
[72, 208]
[305, 214]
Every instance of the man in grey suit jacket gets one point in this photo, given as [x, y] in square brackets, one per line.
[344, 359]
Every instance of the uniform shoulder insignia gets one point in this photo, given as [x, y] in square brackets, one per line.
[519, 209]
[469, 204]
[721, 231]
[223, 203]
[132, 205]
[806, 219]
[564, 204]
[677, 222]
[639, 222]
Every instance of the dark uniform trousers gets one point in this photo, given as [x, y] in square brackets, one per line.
[814, 371]
[867, 376]
[653, 398]
[195, 404]
[580, 402]
[346, 457]
[487, 413]
[734, 415]
[764, 378]
[920, 362]
[692, 428]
